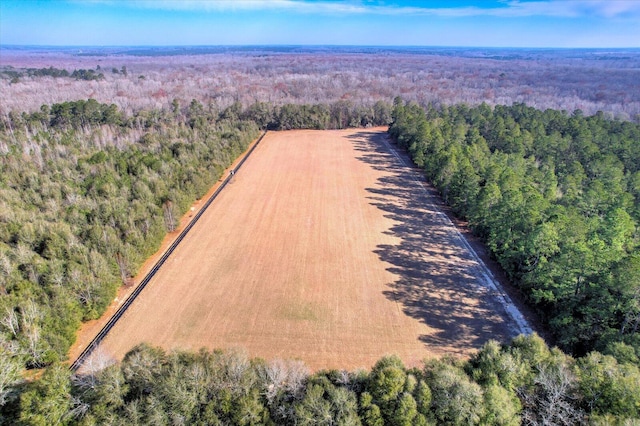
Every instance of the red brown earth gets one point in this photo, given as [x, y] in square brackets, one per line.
[326, 248]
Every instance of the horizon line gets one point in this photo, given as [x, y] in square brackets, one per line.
[387, 46]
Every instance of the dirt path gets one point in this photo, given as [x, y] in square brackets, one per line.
[325, 248]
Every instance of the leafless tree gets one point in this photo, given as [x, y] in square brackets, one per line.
[284, 375]
[538, 79]
[11, 322]
[122, 267]
[30, 316]
[169, 216]
[10, 370]
[553, 399]
[86, 377]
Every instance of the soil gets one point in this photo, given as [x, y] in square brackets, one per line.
[324, 248]
[89, 329]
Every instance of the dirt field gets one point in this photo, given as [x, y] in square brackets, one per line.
[323, 248]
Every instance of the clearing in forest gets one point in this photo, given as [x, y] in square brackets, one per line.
[324, 247]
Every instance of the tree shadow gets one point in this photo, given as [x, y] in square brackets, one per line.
[438, 280]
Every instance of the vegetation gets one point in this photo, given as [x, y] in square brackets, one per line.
[88, 191]
[557, 199]
[86, 195]
[564, 79]
[339, 115]
[79, 74]
[521, 383]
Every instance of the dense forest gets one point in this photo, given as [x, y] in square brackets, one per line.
[151, 78]
[555, 196]
[520, 383]
[79, 74]
[88, 191]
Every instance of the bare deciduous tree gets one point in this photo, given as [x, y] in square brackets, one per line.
[553, 399]
[86, 377]
[10, 371]
[122, 267]
[30, 316]
[540, 80]
[169, 216]
[284, 375]
[11, 322]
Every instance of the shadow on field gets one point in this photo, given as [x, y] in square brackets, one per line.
[436, 275]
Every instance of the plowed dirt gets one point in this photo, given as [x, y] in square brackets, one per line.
[325, 248]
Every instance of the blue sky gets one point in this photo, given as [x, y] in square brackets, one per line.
[499, 23]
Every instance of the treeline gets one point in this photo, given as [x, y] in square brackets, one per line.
[338, 115]
[557, 199]
[76, 114]
[86, 196]
[520, 383]
[79, 114]
[78, 74]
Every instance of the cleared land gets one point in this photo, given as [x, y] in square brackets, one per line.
[324, 248]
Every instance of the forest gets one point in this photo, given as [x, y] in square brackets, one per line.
[151, 78]
[523, 382]
[80, 74]
[555, 196]
[87, 191]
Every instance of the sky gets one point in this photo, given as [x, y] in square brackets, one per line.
[481, 23]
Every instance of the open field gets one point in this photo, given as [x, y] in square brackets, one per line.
[326, 248]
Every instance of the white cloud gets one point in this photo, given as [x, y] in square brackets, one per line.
[550, 8]
[505, 8]
[245, 5]
[571, 8]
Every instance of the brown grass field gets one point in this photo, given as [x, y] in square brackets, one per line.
[324, 248]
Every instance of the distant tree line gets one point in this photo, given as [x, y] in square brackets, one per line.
[337, 115]
[79, 114]
[78, 74]
[523, 382]
[555, 196]
[602, 81]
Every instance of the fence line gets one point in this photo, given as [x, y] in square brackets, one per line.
[122, 309]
